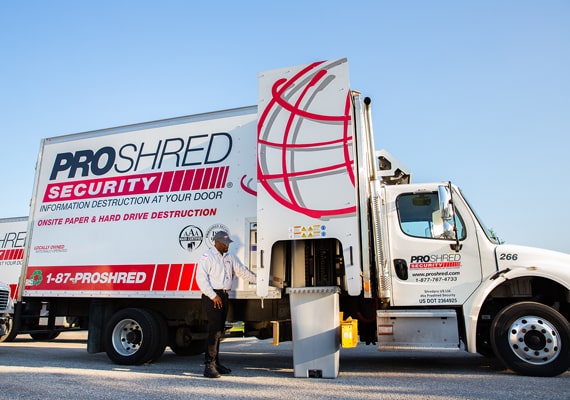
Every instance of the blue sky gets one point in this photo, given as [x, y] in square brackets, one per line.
[476, 92]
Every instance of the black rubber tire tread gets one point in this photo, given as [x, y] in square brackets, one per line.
[41, 336]
[500, 331]
[162, 328]
[194, 348]
[150, 342]
[10, 334]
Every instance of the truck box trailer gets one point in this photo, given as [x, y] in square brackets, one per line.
[329, 225]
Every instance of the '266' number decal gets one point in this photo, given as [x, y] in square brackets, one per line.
[508, 257]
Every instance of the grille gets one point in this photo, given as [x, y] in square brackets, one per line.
[4, 294]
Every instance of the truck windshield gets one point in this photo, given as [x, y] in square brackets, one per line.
[488, 232]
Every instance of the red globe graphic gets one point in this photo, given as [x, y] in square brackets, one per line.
[304, 152]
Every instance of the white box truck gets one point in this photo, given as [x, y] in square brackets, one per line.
[120, 216]
[12, 241]
[12, 244]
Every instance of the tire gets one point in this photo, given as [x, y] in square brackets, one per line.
[132, 337]
[531, 339]
[10, 332]
[194, 348]
[163, 332]
[41, 336]
[182, 342]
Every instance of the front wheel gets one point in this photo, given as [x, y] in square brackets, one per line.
[532, 339]
[10, 333]
[133, 336]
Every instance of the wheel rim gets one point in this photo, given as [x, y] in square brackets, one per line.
[534, 340]
[127, 337]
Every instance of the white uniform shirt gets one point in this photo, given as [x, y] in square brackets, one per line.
[217, 271]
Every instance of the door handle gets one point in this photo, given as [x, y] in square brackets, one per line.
[401, 268]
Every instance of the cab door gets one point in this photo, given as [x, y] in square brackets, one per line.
[426, 268]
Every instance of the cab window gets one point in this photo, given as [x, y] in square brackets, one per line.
[419, 216]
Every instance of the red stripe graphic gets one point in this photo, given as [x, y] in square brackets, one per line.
[166, 181]
[177, 181]
[194, 285]
[160, 276]
[157, 182]
[11, 254]
[187, 275]
[14, 291]
[214, 179]
[188, 179]
[206, 181]
[223, 177]
[174, 276]
[437, 264]
[198, 174]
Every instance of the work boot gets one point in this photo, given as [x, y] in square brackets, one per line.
[211, 371]
[223, 370]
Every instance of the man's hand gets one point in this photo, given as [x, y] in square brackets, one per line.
[217, 302]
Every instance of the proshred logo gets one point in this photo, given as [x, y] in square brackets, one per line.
[12, 246]
[195, 153]
[12, 240]
[436, 261]
[192, 151]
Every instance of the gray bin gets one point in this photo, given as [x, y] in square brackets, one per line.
[316, 331]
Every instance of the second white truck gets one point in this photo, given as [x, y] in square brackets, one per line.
[12, 242]
[120, 216]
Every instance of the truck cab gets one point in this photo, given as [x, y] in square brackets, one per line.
[510, 301]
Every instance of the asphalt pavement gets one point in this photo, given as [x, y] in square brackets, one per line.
[62, 369]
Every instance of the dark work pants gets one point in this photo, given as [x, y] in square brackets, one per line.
[216, 325]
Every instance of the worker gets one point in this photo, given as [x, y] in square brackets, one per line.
[216, 271]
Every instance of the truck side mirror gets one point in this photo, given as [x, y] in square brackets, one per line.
[447, 212]
[445, 206]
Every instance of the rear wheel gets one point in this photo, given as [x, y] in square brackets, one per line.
[163, 334]
[132, 337]
[182, 343]
[191, 349]
[532, 339]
